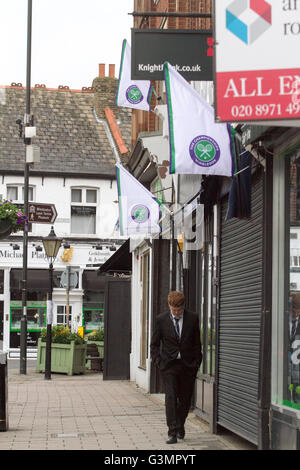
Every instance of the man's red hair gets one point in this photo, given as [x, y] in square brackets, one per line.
[176, 298]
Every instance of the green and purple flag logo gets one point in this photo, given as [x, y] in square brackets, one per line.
[131, 94]
[139, 210]
[198, 145]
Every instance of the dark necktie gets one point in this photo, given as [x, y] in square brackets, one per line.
[293, 328]
[177, 326]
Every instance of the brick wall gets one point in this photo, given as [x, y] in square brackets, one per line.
[143, 121]
[105, 88]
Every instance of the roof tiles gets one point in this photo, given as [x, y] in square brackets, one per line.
[68, 134]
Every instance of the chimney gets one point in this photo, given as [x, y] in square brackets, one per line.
[101, 70]
[112, 70]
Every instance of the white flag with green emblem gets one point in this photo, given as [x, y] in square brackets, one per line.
[139, 210]
[198, 145]
[134, 94]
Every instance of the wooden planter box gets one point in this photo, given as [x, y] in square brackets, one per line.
[65, 358]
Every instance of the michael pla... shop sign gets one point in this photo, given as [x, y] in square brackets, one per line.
[257, 66]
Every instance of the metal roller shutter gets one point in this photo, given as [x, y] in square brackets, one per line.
[240, 304]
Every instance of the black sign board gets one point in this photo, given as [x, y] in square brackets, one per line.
[32, 339]
[189, 51]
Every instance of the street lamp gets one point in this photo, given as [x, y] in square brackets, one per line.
[28, 120]
[51, 246]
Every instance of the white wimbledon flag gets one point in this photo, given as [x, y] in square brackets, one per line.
[139, 210]
[198, 145]
[131, 94]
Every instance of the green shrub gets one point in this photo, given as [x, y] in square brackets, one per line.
[62, 335]
[96, 335]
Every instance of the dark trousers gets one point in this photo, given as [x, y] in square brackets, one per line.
[179, 387]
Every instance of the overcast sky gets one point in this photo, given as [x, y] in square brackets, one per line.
[69, 39]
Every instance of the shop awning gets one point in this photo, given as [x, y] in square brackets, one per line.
[119, 262]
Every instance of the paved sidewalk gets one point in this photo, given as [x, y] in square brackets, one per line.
[86, 413]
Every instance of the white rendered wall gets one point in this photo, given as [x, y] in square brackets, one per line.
[57, 191]
[137, 374]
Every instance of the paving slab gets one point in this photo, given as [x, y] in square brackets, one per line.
[85, 412]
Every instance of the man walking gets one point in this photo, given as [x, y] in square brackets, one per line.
[179, 359]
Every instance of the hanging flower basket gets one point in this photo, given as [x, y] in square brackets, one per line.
[12, 218]
[5, 227]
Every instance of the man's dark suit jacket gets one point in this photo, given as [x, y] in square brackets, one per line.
[189, 344]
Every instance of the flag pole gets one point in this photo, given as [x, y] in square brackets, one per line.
[159, 98]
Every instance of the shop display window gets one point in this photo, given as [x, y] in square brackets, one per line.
[36, 316]
[93, 318]
[93, 303]
[291, 396]
[207, 293]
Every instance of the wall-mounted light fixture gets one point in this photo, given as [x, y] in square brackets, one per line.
[97, 247]
[15, 246]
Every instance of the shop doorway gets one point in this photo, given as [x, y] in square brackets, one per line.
[117, 329]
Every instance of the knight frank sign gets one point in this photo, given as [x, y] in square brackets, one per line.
[189, 51]
[257, 65]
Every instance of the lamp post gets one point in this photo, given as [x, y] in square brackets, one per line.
[27, 121]
[51, 246]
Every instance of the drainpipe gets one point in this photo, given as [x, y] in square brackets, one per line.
[109, 135]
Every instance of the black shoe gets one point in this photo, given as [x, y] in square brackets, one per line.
[171, 440]
[181, 433]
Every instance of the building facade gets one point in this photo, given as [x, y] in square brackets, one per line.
[80, 141]
[241, 275]
[154, 263]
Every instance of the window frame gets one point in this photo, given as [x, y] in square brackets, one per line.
[20, 199]
[83, 204]
[20, 192]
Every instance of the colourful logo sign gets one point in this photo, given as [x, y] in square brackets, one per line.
[140, 213]
[134, 94]
[204, 151]
[248, 19]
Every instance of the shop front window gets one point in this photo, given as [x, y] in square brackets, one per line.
[93, 301]
[93, 318]
[36, 316]
[207, 289]
[292, 318]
